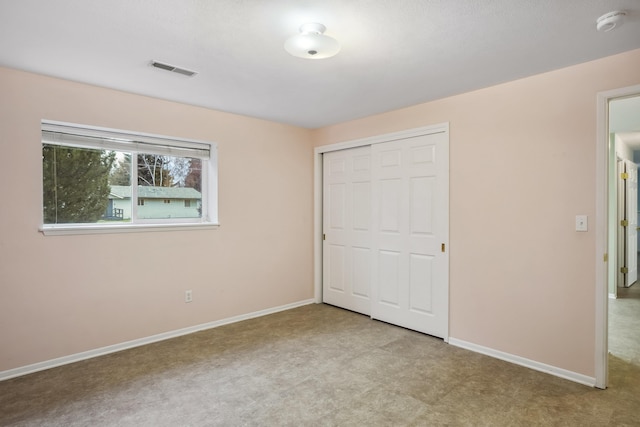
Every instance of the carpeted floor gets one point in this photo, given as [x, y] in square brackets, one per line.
[317, 366]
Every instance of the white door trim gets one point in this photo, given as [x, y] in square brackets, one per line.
[602, 185]
[317, 186]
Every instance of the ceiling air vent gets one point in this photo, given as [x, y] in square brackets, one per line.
[173, 68]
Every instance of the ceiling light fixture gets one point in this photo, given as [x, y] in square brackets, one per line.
[611, 20]
[311, 43]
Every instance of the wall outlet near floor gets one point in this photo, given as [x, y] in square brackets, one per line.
[188, 296]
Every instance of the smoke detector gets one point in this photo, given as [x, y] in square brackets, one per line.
[611, 20]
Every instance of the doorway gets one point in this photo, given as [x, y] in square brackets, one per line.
[608, 232]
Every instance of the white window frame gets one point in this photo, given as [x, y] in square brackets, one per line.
[83, 136]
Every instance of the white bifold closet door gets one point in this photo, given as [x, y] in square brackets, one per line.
[386, 227]
[410, 227]
[346, 264]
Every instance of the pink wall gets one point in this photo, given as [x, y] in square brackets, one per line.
[522, 281]
[522, 159]
[67, 294]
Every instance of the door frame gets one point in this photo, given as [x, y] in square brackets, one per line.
[602, 229]
[317, 189]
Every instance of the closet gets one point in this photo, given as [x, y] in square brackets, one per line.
[385, 222]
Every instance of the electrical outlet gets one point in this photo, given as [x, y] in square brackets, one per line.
[188, 296]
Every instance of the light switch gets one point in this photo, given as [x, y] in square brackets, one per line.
[581, 223]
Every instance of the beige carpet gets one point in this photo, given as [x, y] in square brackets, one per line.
[314, 366]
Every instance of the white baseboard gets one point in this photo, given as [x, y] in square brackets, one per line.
[527, 363]
[47, 364]
[613, 296]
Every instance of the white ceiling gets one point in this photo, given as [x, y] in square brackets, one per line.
[395, 53]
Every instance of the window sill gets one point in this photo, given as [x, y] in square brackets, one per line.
[129, 228]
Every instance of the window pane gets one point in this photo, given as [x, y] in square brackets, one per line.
[166, 184]
[119, 206]
[75, 184]
[106, 176]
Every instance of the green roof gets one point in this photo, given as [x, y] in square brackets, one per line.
[146, 192]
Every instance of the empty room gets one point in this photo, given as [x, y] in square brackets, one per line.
[366, 212]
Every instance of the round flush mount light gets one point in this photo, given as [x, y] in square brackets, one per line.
[312, 43]
[611, 20]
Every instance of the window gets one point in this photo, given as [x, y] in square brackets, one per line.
[98, 180]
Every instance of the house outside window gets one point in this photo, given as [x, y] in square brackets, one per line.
[96, 178]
